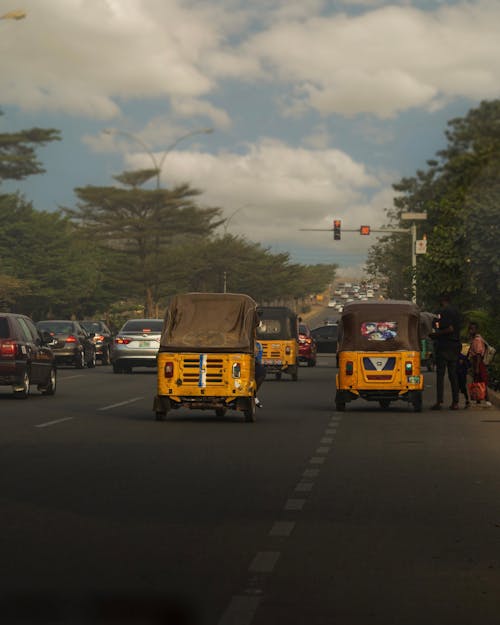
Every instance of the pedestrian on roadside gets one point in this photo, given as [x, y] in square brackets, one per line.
[476, 356]
[463, 366]
[446, 336]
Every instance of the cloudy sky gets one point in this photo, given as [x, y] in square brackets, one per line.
[316, 106]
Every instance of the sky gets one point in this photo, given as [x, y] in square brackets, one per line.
[287, 114]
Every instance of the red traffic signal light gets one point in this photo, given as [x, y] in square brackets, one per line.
[337, 224]
[364, 230]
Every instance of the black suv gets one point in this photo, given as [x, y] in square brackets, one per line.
[25, 357]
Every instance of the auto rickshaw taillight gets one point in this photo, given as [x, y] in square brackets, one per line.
[349, 367]
[408, 368]
[288, 350]
[236, 370]
[169, 369]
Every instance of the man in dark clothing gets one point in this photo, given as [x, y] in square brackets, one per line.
[446, 335]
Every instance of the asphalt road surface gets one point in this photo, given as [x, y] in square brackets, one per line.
[305, 517]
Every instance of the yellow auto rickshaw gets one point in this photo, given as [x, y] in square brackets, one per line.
[379, 354]
[206, 358]
[278, 334]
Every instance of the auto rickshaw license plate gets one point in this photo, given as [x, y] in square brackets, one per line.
[271, 361]
[414, 379]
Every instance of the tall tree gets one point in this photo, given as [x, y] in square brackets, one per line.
[17, 152]
[460, 192]
[141, 224]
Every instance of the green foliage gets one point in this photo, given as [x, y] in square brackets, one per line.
[460, 191]
[17, 152]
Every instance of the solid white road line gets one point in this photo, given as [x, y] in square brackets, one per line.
[122, 403]
[49, 423]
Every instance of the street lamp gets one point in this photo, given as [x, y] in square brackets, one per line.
[226, 223]
[157, 165]
[15, 14]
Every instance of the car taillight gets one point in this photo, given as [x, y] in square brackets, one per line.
[408, 368]
[8, 349]
[71, 339]
[121, 341]
[349, 367]
[236, 370]
[169, 370]
[98, 337]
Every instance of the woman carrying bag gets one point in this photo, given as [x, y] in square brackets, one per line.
[478, 389]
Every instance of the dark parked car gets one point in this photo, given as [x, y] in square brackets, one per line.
[25, 357]
[72, 344]
[103, 339]
[307, 345]
[136, 345]
[326, 338]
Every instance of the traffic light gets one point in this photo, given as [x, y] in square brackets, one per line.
[336, 229]
[364, 230]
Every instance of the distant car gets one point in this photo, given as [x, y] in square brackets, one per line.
[25, 357]
[332, 303]
[307, 346]
[103, 339]
[326, 338]
[71, 344]
[136, 345]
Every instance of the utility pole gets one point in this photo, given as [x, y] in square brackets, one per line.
[366, 230]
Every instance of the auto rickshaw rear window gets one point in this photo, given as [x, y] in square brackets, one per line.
[379, 330]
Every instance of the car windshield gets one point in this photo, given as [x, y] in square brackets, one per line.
[56, 327]
[92, 326]
[143, 326]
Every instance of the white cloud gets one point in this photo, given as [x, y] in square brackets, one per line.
[385, 60]
[86, 57]
[272, 191]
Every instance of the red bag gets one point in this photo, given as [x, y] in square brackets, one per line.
[477, 391]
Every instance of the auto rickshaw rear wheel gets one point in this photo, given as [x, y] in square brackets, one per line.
[249, 411]
[220, 412]
[417, 401]
[340, 406]
[385, 403]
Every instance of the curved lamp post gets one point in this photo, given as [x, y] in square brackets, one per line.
[157, 165]
[15, 14]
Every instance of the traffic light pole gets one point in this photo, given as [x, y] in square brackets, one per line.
[412, 231]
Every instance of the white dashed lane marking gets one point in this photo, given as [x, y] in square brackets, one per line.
[240, 610]
[264, 562]
[304, 487]
[55, 422]
[317, 460]
[295, 504]
[282, 528]
[122, 403]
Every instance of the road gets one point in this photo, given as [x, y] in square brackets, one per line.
[306, 516]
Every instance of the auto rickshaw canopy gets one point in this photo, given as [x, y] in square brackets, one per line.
[210, 322]
[389, 325]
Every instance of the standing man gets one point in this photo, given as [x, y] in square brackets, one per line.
[446, 337]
